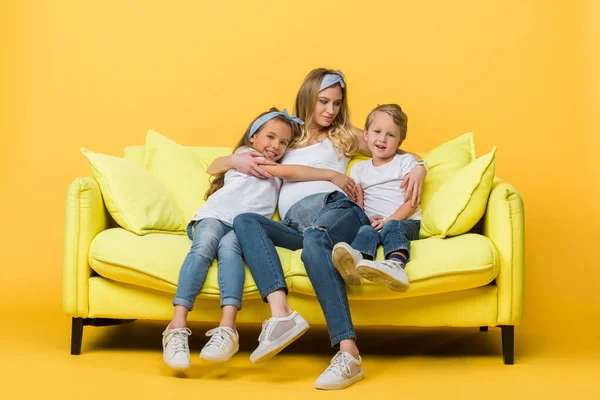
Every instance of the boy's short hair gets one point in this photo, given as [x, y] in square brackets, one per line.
[394, 111]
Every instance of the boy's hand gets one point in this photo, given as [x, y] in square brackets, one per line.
[377, 222]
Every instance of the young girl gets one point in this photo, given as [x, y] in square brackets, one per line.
[211, 230]
[317, 216]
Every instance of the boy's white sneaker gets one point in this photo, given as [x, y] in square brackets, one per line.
[344, 370]
[388, 272]
[345, 259]
[277, 334]
[176, 352]
[223, 344]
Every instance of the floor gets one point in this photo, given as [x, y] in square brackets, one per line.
[125, 362]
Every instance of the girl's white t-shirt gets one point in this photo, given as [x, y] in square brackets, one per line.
[381, 185]
[241, 193]
[320, 155]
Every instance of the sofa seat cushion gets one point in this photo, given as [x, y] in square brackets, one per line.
[436, 266]
[154, 260]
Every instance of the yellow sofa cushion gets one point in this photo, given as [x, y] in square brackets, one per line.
[135, 199]
[460, 203]
[153, 261]
[436, 266]
[179, 170]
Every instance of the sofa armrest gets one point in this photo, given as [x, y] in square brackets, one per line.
[504, 225]
[85, 217]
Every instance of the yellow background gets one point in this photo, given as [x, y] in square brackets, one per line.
[522, 75]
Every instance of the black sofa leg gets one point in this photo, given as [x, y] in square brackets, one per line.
[508, 344]
[483, 328]
[77, 325]
[76, 336]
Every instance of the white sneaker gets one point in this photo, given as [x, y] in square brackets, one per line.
[389, 273]
[223, 344]
[344, 370]
[277, 334]
[176, 352]
[345, 259]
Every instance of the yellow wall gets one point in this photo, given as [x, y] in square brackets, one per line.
[521, 75]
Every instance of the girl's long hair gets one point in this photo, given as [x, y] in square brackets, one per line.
[341, 132]
[218, 180]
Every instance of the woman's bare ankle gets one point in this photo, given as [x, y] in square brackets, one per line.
[349, 346]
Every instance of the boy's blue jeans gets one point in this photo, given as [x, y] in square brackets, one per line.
[314, 224]
[211, 239]
[395, 236]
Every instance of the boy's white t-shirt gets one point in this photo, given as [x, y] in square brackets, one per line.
[381, 185]
[241, 193]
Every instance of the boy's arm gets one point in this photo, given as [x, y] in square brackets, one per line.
[402, 213]
[301, 173]
[360, 198]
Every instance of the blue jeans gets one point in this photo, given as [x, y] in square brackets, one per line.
[337, 220]
[211, 239]
[395, 235]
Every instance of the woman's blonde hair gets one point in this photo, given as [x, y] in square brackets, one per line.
[341, 133]
[218, 180]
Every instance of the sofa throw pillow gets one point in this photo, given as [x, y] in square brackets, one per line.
[444, 161]
[179, 170]
[461, 201]
[136, 200]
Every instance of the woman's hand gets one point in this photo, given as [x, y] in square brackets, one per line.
[377, 222]
[249, 163]
[413, 185]
[345, 183]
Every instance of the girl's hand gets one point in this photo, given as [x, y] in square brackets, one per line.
[345, 183]
[377, 222]
[413, 185]
[249, 163]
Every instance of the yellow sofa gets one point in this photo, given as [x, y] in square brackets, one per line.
[111, 275]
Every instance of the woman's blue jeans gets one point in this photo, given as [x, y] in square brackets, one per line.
[211, 239]
[327, 219]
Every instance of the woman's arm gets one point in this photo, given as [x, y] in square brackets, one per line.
[304, 173]
[246, 163]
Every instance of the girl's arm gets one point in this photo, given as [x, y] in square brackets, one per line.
[303, 173]
[247, 163]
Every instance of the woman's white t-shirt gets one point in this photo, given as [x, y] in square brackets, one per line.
[320, 155]
[241, 194]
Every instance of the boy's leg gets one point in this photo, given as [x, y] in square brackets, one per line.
[346, 257]
[396, 237]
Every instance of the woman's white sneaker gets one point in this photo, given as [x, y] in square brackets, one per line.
[344, 370]
[176, 352]
[389, 273]
[223, 344]
[277, 334]
[345, 259]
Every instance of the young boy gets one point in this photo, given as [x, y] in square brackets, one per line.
[394, 223]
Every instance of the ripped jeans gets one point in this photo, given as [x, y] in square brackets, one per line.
[314, 224]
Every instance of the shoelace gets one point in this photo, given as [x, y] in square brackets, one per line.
[219, 337]
[340, 365]
[176, 339]
[267, 325]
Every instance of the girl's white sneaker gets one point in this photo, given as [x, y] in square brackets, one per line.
[176, 352]
[344, 370]
[223, 344]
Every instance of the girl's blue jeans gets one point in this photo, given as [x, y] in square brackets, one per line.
[211, 239]
[314, 224]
